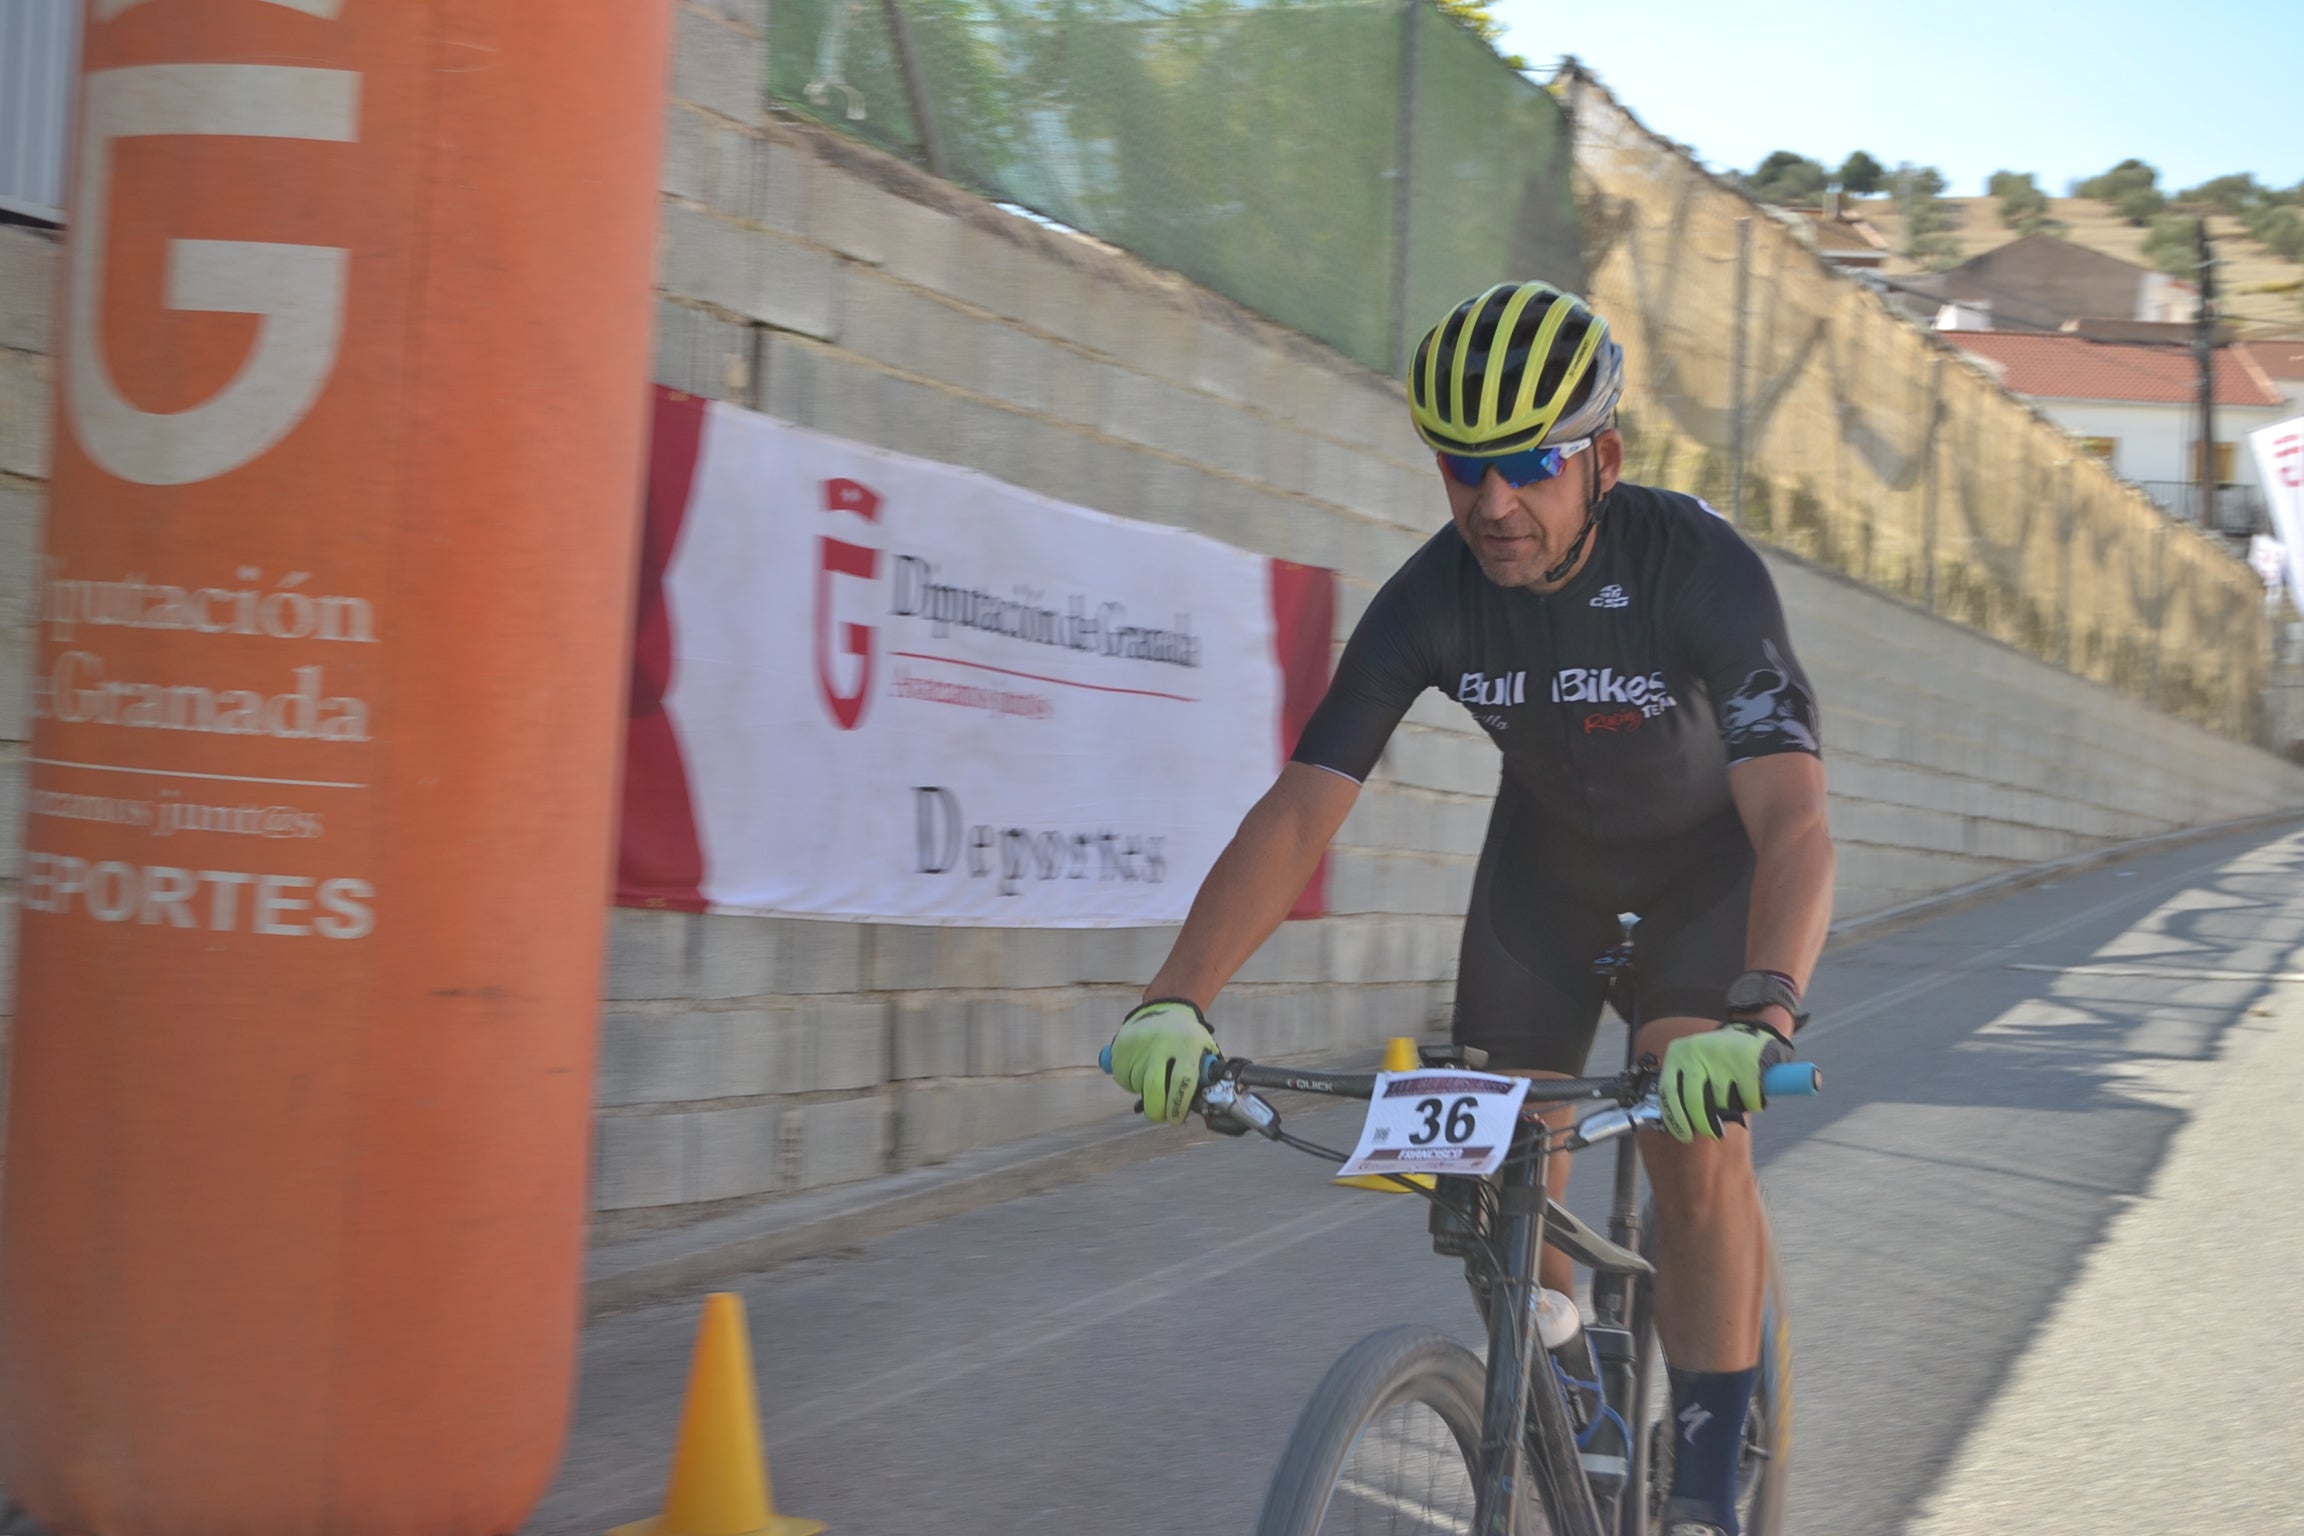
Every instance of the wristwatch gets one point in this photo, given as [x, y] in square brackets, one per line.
[1755, 990]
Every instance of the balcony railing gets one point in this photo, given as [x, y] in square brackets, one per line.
[2238, 511]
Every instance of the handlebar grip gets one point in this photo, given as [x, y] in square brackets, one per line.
[1792, 1080]
[1209, 1062]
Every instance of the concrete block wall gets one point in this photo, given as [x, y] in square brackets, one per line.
[27, 374]
[807, 275]
[1954, 758]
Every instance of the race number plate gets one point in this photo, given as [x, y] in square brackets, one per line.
[1439, 1120]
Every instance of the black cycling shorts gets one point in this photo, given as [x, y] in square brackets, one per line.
[1544, 907]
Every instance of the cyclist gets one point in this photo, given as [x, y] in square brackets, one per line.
[1625, 650]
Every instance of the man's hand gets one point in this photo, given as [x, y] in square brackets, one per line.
[1706, 1076]
[1157, 1054]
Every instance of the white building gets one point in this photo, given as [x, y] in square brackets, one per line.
[2138, 408]
[2283, 363]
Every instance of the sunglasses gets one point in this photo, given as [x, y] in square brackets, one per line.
[1526, 467]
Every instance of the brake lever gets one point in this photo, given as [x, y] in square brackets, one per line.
[1228, 1110]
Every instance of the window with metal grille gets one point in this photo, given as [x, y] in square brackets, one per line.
[39, 65]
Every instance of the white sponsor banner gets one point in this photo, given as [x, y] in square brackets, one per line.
[908, 692]
[2279, 454]
[2269, 559]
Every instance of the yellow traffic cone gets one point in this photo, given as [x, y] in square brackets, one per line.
[1399, 1056]
[719, 1472]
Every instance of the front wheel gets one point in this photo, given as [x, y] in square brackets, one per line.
[1390, 1442]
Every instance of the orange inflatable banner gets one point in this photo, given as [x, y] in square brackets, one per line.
[332, 622]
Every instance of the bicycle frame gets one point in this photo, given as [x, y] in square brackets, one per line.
[1613, 1289]
[1523, 1210]
[1528, 1219]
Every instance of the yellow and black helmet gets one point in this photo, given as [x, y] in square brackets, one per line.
[1517, 367]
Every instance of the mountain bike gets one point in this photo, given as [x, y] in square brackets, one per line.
[1410, 1431]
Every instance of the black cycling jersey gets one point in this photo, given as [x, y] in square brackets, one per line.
[1618, 701]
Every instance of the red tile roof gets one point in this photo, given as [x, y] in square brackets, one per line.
[2281, 359]
[2065, 367]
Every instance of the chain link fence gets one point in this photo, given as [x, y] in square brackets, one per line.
[1790, 396]
[1350, 171]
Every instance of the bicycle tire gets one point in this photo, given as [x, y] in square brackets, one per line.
[1766, 1477]
[1393, 1366]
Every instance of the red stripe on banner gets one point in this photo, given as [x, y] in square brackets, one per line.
[1036, 677]
[1303, 634]
[660, 862]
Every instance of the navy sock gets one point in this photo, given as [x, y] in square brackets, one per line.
[1708, 1410]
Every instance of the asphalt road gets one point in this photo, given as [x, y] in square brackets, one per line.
[2039, 1160]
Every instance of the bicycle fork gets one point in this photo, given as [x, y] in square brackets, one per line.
[1507, 1458]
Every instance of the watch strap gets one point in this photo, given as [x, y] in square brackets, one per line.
[1755, 990]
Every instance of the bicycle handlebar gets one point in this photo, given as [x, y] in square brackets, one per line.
[1785, 1080]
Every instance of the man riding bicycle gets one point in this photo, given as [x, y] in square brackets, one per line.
[1624, 648]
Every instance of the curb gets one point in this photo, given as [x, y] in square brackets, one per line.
[655, 1265]
[1873, 924]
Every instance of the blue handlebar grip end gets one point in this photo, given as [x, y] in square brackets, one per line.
[1104, 1060]
[1792, 1080]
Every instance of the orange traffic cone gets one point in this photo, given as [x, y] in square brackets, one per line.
[719, 1472]
[1399, 1056]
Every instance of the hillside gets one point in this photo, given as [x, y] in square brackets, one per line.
[2090, 223]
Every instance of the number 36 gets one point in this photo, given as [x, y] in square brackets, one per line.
[1458, 1128]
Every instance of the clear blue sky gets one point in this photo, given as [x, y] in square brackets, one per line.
[2056, 87]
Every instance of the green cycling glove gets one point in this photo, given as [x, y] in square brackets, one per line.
[1706, 1076]
[1157, 1054]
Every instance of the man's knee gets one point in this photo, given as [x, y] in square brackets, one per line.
[1694, 1176]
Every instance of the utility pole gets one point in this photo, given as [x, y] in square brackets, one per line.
[2204, 347]
[1739, 416]
[1404, 186]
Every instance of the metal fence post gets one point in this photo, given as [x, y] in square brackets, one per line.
[2159, 604]
[1937, 417]
[2066, 516]
[1738, 422]
[1404, 183]
[915, 85]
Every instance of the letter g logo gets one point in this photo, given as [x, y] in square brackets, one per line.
[297, 289]
[838, 557]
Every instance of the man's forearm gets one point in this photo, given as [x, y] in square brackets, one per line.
[1254, 882]
[1791, 904]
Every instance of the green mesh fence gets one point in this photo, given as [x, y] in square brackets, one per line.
[1265, 152]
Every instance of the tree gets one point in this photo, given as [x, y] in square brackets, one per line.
[2279, 226]
[1861, 175]
[2172, 245]
[1787, 180]
[2233, 195]
[2023, 206]
[1928, 221]
[1480, 17]
[2131, 188]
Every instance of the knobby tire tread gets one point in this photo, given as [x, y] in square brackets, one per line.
[1405, 1363]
